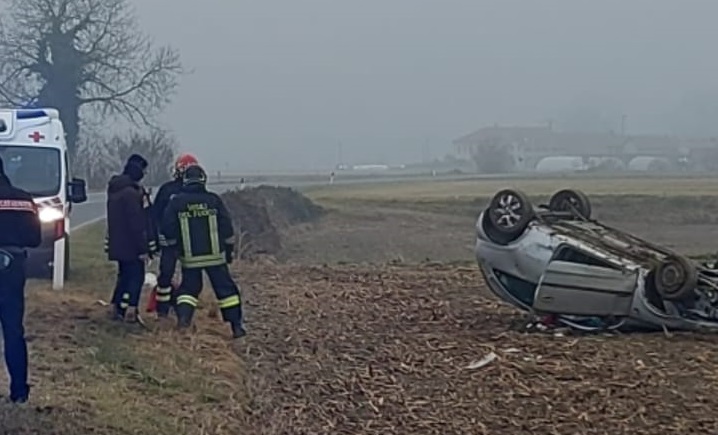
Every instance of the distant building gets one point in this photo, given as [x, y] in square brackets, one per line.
[526, 146]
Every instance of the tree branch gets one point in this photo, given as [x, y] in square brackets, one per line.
[82, 53]
[116, 95]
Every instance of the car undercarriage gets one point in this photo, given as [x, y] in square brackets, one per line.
[557, 260]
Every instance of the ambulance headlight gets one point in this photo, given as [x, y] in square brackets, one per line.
[50, 214]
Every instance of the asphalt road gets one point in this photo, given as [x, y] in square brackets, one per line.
[94, 209]
[89, 212]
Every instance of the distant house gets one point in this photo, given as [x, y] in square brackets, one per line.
[526, 146]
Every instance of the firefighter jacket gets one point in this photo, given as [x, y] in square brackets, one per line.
[164, 194]
[198, 224]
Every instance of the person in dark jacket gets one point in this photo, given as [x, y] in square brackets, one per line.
[197, 224]
[165, 294]
[20, 229]
[129, 236]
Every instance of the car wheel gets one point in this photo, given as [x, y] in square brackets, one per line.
[676, 278]
[573, 201]
[509, 213]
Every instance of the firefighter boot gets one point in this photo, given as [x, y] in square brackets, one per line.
[238, 330]
[184, 316]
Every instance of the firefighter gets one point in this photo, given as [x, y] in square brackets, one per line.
[20, 226]
[168, 257]
[197, 224]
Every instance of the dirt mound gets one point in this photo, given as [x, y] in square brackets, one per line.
[260, 213]
[396, 350]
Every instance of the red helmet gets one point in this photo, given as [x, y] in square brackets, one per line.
[183, 162]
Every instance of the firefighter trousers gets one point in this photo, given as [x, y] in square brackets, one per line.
[165, 296]
[226, 290]
[12, 313]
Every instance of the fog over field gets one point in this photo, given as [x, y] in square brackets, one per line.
[278, 84]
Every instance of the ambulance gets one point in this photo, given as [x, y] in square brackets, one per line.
[35, 155]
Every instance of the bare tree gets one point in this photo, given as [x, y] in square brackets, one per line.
[159, 148]
[92, 161]
[491, 157]
[74, 54]
[98, 159]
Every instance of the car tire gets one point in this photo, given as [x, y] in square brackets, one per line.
[676, 278]
[572, 201]
[509, 213]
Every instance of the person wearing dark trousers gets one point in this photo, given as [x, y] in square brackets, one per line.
[197, 224]
[118, 297]
[129, 236]
[165, 293]
[226, 290]
[20, 229]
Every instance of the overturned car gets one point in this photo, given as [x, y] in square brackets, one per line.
[554, 259]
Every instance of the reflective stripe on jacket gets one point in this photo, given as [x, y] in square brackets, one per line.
[198, 224]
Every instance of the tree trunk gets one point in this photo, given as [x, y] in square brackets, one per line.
[67, 103]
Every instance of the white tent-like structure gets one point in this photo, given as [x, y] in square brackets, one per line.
[560, 164]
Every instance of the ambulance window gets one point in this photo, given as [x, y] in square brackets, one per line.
[36, 170]
[3, 126]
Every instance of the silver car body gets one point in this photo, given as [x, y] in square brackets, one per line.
[613, 292]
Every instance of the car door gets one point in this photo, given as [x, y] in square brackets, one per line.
[584, 290]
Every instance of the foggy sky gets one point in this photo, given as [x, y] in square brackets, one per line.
[277, 84]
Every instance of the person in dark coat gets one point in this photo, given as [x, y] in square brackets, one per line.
[129, 236]
[19, 229]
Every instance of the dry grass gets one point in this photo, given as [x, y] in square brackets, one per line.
[91, 375]
[388, 349]
[471, 189]
[351, 349]
[672, 201]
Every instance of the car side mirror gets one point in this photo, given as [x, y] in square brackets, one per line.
[77, 191]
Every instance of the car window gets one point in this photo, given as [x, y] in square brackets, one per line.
[522, 290]
[573, 255]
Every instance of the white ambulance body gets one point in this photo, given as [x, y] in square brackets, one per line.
[34, 152]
